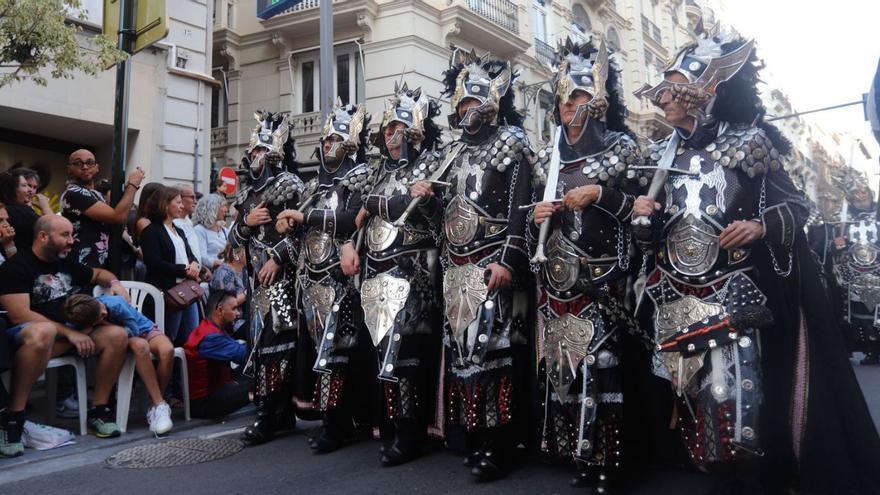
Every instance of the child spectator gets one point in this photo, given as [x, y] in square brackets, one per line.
[144, 337]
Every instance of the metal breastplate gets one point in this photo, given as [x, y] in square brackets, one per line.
[563, 264]
[319, 246]
[566, 340]
[464, 290]
[382, 297]
[380, 234]
[317, 303]
[460, 222]
[692, 246]
[863, 254]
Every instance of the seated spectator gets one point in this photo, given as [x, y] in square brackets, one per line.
[36, 283]
[144, 337]
[209, 350]
[184, 222]
[18, 191]
[86, 209]
[230, 277]
[209, 219]
[7, 235]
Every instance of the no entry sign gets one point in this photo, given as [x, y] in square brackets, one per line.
[228, 181]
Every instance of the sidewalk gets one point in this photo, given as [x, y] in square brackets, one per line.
[89, 449]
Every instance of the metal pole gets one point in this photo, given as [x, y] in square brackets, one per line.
[120, 127]
[832, 107]
[327, 58]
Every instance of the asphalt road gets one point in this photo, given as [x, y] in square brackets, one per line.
[286, 465]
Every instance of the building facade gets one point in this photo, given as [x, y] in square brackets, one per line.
[169, 112]
[273, 64]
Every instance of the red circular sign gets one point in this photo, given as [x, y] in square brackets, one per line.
[228, 181]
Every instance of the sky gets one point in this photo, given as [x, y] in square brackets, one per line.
[820, 53]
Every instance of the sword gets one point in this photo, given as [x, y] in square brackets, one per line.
[844, 215]
[549, 195]
[433, 179]
[661, 172]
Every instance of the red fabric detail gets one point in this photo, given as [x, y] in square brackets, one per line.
[205, 375]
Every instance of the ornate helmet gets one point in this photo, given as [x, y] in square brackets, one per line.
[271, 133]
[581, 67]
[852, 182]
[346, 121]
[412, 109]
[705, 65]
[485, 80]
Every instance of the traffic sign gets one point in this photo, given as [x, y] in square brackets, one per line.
[269, 8]
[150, 22]
[228, 181]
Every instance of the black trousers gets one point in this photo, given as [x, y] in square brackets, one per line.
[222, 402]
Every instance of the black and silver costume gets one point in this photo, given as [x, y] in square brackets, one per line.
[399, 294]
[582, 286]
[268, 176]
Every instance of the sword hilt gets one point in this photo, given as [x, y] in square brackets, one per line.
[539, 256]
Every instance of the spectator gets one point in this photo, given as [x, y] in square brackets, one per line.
[36, 284]
[209, 350]
[185, 222]
[87, 211]
[18, 192]
[141, 221]
[209, 219]
[230, 277]
[144, 337]
[7, 236]
[169, 259]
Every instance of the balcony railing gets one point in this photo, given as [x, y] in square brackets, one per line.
[544, 52]
[304, 5]
[501, 12]
[219, 138]
[307, 123]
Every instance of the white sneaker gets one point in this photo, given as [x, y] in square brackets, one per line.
[159, 418]
[68, 408]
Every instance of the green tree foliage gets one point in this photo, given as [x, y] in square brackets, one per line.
[37, 39]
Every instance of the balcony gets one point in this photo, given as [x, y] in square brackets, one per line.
[501, 12]
[302, 20]
[219, 140]
[544, 52]
[304, 5]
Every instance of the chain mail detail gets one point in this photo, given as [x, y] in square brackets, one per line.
[286, 187]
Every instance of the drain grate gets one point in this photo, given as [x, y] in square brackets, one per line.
[179, 452]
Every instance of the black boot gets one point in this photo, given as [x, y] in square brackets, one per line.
[586, 476]
[263, 429]
[409, 436]
[872, 357]
[336, 427]
[497, 456]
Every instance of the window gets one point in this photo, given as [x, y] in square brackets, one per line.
[646, 25]
[613, 40]
[545, 116]
[346, 75]
[539, 21]
[307, 88]
[218, 102]
[581, 21]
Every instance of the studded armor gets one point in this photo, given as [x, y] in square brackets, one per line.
[857, 270]
[705, 297]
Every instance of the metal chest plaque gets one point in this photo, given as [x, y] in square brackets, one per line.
[317, 302]
[692, 246]
[566, 340]
[382, 297]
[460, 221]
[380, 234]
[866, 289]
[864, 254]
[319, 246]
[563, 264]
[464, 289]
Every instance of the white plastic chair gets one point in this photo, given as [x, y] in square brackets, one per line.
[138, 292]
[81, 387]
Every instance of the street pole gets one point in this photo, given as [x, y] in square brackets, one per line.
[120, 127]
[327, 58]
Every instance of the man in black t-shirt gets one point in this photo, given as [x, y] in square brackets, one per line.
[36, 283]
[90, 215]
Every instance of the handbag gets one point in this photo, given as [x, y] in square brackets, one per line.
[183, 294]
